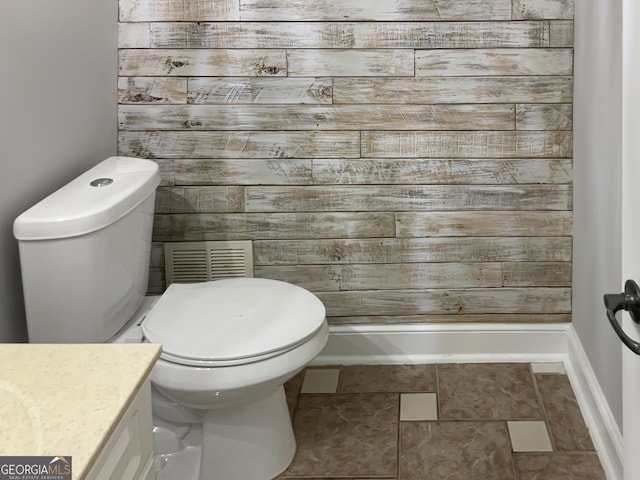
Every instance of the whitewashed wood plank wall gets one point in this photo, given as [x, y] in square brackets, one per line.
[408, 161]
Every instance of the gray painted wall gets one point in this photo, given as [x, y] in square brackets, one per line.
[597, 262]
[58, 117]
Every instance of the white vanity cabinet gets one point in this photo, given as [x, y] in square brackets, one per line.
[85, 401]
[128, 454]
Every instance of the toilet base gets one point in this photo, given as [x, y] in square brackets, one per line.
[254, 441]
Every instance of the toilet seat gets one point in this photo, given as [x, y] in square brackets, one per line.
[232, 321]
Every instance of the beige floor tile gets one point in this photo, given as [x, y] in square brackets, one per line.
[320, 380]
[529, 436]
[548, 367]
[418, 406]
[388, 378]
[558, 466]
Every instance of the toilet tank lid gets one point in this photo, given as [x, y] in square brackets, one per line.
[95, 199]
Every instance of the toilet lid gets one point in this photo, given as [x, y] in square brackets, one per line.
[231, 321]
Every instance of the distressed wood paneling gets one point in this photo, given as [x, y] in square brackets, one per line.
[387, 276]
[503, 61]
[254, 226]
[446, 171]
[536, 274]
[335, 35]
[316, 117]
[260, 90]
[534, 89]
[412, 250]
[544, 117]
[185, 62]
[407, 198]
[325, 278]
[389, 144]
[409, 161]
[349, 63]
[407, 10]
[215, 199]
[447, 301]
[144, 90]
[561, 33]
[243, 172]
[178, 10]
[468, 318]
[510, 223]
[167, 176]
[529, 9]
[237, 144]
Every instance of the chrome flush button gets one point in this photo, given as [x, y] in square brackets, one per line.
[101, 182]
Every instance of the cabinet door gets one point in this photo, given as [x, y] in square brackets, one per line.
[129, 451]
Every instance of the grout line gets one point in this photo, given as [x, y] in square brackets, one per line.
[516, 474]
[399, 438]
[544, 410]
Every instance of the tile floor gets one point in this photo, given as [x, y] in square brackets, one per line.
[499, 421]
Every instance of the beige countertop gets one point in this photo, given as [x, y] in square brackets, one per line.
[65, 400]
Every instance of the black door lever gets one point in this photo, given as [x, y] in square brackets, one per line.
[629, 301]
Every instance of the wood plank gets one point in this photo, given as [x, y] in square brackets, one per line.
[405, 171]
[536, 274]
[243, 172]
[167, 177]
[510, 89]
[410, 250]
[198, 62]
[477, 318]
[134, 35]
[331, 198]
[419, 276]
[209, 199]
[561, 33]
[394, 10]
[386, 276]
[497, 61]
[462, 224]
[178, 10]
[146, 90]
[544, 117]
[157, 255]
[448, 301]
[325, 278]
[260, 90]
[350, 63]
[197, 145]
[467, 144]
[254, 226]
[316, 117]
[156, 284]
[530, 9]
[335, 35]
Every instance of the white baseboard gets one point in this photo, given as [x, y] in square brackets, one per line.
[474, 343]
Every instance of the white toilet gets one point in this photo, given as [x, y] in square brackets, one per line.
[228, 345]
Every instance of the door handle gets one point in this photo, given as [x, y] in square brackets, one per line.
[629, 301]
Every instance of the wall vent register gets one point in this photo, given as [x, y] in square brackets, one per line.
[189, 262]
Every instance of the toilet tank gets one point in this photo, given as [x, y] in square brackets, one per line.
[84, 252]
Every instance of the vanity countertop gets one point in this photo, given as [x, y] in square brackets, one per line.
[65, 400]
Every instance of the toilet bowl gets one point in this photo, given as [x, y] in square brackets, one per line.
[228, 348]
[228, 345]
